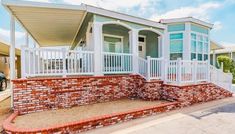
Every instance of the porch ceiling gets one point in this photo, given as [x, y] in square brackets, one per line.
[49, 26]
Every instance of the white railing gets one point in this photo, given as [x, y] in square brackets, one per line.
[116, 63]
[56, 62]
[186, 71]
[219, 78]
[143, 67]
[155, 67]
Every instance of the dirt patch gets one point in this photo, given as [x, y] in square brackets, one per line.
[5, 111]
[61, 116]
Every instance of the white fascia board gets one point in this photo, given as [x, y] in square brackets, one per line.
[88, 8]
[187, 19]
[125, 17]
[42, 5]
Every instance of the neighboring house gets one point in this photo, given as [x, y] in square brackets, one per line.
[5, 61]
[228, 51]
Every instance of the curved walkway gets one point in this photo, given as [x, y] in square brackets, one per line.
[217, 117]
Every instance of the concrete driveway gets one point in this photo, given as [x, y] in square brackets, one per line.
[217, 117]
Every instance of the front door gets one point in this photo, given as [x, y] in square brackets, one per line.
[142, 47]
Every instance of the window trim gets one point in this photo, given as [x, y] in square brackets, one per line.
[114, 36]
[203, 44]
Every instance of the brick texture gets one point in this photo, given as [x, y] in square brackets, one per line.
[192, 94]
[33, 95]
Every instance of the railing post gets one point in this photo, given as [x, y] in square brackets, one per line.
[208, 70]
[194, 70]
[222, 66]
[23, 62]
[179, 70]
[165, 70]
[64, 61]
[148, 68]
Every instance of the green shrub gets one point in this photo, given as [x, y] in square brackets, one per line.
[227, 63]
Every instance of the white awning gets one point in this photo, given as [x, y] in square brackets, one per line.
[53, 24]
[49, 26]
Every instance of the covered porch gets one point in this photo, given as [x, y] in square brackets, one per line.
[83, 41]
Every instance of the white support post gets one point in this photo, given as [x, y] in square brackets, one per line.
[214, 60]
[64, 62]
[148, 68]
[133, 36]
[98, 42]
[165, 70]
[222, 66]
[187, 42]
[12, 55]
[179, 71]
[195, 71]
[208, 70]
[166, 45]
[23, 61]
[159, 50]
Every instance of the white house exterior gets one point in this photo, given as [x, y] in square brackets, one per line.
[104, 42]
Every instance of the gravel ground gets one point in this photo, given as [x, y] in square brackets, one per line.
[5, 111]
[56, 117]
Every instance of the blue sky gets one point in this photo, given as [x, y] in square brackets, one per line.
[219, 12]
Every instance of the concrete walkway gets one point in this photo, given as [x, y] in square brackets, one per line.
[217, 117]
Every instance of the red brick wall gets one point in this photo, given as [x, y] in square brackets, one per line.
[189, 95]
[32, 95]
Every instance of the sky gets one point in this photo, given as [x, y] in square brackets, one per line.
[221, 13]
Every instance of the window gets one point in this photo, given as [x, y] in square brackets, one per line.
[141, 39]
[176, 46]
[199, 46]
[140, 48]
[113, 44]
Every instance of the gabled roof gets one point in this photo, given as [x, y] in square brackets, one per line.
[187, 19]
[58, 24]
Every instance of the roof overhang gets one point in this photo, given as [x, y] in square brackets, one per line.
[49, 25]
[187, 19]
[53, 24]
[215, 46]
[5, 49]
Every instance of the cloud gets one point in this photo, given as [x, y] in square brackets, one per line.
[217, 26]
[227, 44]
[5, 35]
[200, 12]
[39, 0]
[110, 4]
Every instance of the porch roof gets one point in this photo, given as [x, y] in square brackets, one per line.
[53, 24]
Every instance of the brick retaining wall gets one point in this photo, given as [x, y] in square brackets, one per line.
[191, 94]
[33, 95]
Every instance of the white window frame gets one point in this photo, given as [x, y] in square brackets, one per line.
[176, 32]
[203, 44]
[114, 36]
